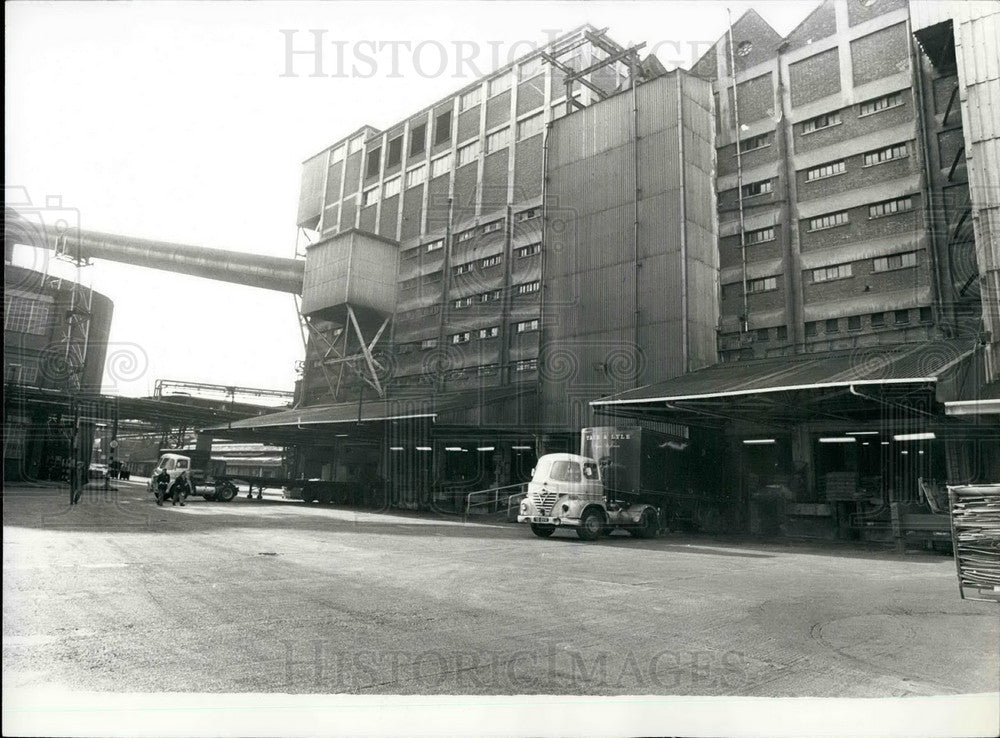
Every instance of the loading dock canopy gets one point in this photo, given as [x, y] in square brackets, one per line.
[841, 385]
[308, 423]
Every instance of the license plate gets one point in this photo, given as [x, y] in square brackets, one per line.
[539, 519]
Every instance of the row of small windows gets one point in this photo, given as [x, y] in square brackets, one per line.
[877, 320]
[763, 187]
[831, 273]
[482, 334]
[868, 107]
[483, 370]
[530, 249]
[525, 288]
[868, 159]
[484, 263]
[875, 210]
[526, 326]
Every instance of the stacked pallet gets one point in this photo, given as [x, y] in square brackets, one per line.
[975, 530]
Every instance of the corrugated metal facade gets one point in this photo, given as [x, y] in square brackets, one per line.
[617, 312]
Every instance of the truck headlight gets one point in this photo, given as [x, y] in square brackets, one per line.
[524, 507]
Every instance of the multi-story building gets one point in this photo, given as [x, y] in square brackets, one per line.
[484, 267]
[841, 185]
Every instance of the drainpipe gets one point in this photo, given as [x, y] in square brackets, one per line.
[745, 318]
[636, 265]
[685, 339]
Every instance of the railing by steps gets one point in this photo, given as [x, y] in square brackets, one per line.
[487, 501]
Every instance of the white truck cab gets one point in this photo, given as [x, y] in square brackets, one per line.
[197, 479]
[566, 490]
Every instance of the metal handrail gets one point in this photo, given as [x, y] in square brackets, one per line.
[496, 496]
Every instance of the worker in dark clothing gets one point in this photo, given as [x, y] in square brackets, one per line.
[76, 481]
[167, 488]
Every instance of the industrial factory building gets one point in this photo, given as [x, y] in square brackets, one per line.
[484, 268]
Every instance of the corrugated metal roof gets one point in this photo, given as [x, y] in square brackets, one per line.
[899, 364]
[397, 408]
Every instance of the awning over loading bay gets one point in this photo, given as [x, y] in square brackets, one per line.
[499, 408]
[841, 386]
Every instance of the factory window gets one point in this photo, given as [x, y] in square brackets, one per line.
[832, 325]
[435, 245]
[926, 315]
[890, 207]
[26, 373]
[829, 221]
[828, 274]
[461, 338]
[526, 365]
[744, 48]
[461, 269]
[468, 153]
[469, 99]
[878, 320]
[416, 175]
[757, 188]
[338, 154]
[499, 84]
[355, 145]
[528, 287]
[826, 170]
[441, 165]
[731, 291]
[497, 140]
[781, 333]
[374, 160]
[487, 370]
[432, 278]
[394, 153]
[391, 186]
[405, 348]
[761, 235]
[763, 335]
[889, 153]
[25, 315]
[409, 284]
[491, 296]
[812, 328]
[463, 302]
[442, 127]
[491, 332]
[895, 261]
[496, 225]
[530, 126]
[490, 261]
[901, 317]
[880, 103]
[428, 343]
[526, 326]
[369, 196]
[764, 284]
[418, 139]
[529, 214]
[466, 235]
[530, 68]
[854, 323]
[755, 142]
[821, 121]
[411, 253]
[530, 250]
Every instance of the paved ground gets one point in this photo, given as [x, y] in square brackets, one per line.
[273, 596]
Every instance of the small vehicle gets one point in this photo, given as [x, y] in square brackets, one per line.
[97, 471]
[566, 490]
[175, 468]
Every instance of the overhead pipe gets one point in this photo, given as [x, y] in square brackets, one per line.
[254, 270]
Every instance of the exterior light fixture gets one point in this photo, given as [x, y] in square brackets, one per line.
[522, 448]
[838, 439]
[423, 448]
[759, 441]
[485, 448]
[396, 448]
[861, 433]
[914, 437]
[452, 448]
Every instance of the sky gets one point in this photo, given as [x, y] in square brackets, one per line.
[188, 122]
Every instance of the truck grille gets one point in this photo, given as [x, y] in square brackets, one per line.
[544, 501]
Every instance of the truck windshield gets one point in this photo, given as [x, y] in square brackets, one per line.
[565, 471]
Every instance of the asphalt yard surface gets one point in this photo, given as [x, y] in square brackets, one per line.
[117, 594]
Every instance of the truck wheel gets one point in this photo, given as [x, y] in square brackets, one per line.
[225, 492]
[648, 526]
[591, 525]
[542, 531]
